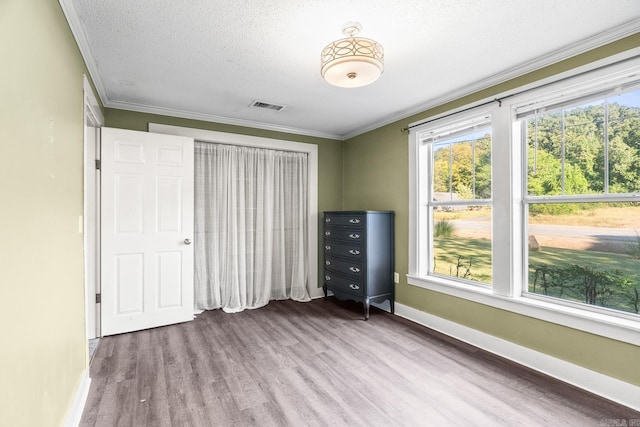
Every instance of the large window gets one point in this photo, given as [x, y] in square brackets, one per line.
[531, 203]
[583, 214]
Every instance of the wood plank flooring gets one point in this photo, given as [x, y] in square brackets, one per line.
[320, 364]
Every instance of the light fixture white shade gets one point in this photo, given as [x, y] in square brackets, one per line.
[353, 61]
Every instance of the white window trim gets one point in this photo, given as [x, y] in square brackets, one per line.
[508, 251]
[425, 204]
[274, 144]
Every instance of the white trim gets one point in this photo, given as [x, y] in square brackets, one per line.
[586, 379]
[505, 221]
[92, 119]
[416, 204]
[171, 112]
[275, 144]
[91, 102]
[74, 413]
[421, 165]
[75, 24]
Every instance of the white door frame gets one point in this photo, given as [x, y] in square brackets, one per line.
[93, 120]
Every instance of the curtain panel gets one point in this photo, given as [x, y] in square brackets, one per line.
[251, 221]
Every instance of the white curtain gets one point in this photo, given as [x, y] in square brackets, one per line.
[250, 226]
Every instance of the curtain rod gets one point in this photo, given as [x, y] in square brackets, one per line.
[498, 100]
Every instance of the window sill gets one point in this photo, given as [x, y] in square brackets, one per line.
[609, 326]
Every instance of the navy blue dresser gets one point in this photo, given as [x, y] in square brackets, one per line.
[359, 256]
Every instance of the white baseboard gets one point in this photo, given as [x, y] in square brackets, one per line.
[74, 414]
[586, 379]
[316, 293]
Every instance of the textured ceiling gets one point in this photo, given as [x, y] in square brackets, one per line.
[209, 59]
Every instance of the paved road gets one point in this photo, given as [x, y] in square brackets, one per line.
[610, 234]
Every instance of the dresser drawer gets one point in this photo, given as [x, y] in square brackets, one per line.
[344, 267]
[343, 234]
[345, 250]
[355, 220]
[343, 284]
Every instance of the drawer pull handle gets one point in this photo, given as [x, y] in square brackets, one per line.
[354, 252]
[328, 247]
[354, 235]
[354, 221]
[327, 278]
[327, 220]
[327, 233]
[354, 287]
[354, 269]
[327, 262]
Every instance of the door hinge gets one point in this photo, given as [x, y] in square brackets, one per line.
[98, 164]
[98, 298]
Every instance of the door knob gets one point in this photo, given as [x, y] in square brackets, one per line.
[187, 241]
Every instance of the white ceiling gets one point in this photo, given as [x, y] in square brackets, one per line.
[209, 59]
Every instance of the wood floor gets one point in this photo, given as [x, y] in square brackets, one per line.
[320, 364]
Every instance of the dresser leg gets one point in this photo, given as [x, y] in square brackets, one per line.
[366, 309]
[392, 305]
[324, 289]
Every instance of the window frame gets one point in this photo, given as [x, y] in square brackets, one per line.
[426, 138]
[509, 251]
[568, 198]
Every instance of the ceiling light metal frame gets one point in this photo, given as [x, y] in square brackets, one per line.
[352, 61]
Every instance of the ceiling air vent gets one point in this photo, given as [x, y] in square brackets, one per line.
[267, 106]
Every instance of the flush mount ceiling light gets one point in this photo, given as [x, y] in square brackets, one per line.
[352, 61]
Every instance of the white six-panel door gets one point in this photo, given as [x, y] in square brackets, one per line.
[146, 230]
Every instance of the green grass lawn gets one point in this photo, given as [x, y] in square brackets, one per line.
[453, 256]
[449, 250]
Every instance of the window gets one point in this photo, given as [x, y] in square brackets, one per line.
[583, 217]
[459, 199]
[532, 204]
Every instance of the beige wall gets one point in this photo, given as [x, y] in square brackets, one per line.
[43, 350]
[376, 177]
[329, 152]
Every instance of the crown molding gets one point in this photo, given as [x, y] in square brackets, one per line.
[140, 108]
[598, 40]
[77, 30]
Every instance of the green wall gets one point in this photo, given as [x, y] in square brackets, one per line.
[376, 177]
[329, 153]
[43, 355]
